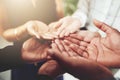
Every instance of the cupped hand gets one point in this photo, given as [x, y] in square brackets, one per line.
[76, 65]
[104, 50]
[35, 50]
[36, 28]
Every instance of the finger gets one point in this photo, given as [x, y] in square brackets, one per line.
[85, 54]
[67, 33]
[76, 49]
[102, 26]
[67, 49]
[69, 29]
[60, 46]
[82, 48]
[67, 42]
[73, 40]
[57, 25]
[83, 43]
[36, 34]
[55, 47]
[92, 50]
[48, 36]
[62, 27]
[76, 36]
[31, 30]
[62, 34]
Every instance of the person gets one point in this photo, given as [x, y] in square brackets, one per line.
[87, 11]
[18, 14]
[80, 64]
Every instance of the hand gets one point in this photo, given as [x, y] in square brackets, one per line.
[34, 50]
[67, 25]
[78, 66]
[79, 41]
[36, 28]
[50, 68]
[51, 34]
[102, 49]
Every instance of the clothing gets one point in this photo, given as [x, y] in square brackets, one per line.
[107, 11]
[10, 57]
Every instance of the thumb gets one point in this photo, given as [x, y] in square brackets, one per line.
[102, 26]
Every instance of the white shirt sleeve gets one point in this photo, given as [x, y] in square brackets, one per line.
[82, 11]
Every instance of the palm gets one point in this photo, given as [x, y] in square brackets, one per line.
[105, 50]
[78, 66]
[34, 50]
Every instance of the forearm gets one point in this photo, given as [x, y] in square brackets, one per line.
[59, 8]
[82, 11]
[15, 33]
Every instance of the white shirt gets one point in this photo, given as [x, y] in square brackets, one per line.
[107, 11]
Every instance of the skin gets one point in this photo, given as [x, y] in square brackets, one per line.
[81, 51]
[51, 68]
[34, 51]
[104, 50]
[73, 25]
[78, 66]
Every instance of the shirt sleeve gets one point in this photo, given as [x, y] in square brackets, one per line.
[82, 11]
[10, 57]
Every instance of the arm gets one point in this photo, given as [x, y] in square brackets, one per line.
[59, 8]
[3, 18]
[82, 11]
[33, 28]
[10, 57]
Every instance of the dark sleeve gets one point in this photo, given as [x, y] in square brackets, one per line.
[10, 57]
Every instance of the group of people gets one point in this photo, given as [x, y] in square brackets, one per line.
[62, 47]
